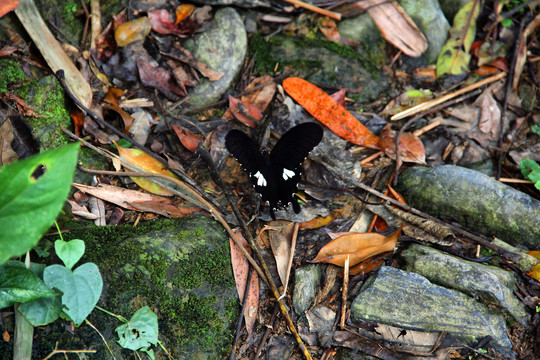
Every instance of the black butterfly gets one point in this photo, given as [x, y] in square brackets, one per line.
[275, 175]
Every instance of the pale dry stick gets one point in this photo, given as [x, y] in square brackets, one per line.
[515, 181]
[95, 21]
[427, 128]
[429, 104]
[291, 255]
[204, 204]
[58, 351]
[315, 9]
[344, 292]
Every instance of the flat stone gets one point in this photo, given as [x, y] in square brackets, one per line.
[407, 300]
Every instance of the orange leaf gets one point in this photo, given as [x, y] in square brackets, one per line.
[7, 5]
[535, 273]
[245, 112]
[330, 112]
[365, 267]
[411, 147]
[111, 102]
[183, 11]
[534, 253]
[356, 246]
[132, 31]
[146, 162]
[187, 138]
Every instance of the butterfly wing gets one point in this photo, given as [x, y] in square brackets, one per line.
[287, 156]
[245, 150]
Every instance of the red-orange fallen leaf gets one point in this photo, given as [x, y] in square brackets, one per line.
[78, 120]
[146, 162]
[240, 271]
[183, 11]
[365, 267]
[330, 112]
[534, 253]
[7, 5]
[245, 112]
[356, 246]
[339, 96]
[6, 336]
[187, 138]
[411, 147]
[317, 222]
[132, 31]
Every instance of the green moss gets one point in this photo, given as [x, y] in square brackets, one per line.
[185, 290]
[10, 73]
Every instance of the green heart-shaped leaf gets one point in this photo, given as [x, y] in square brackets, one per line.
[69, 251]
[80, 289]
[140, 332]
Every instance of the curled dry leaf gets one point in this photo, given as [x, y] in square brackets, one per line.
[187, 138]
[328, 111]
[146, 162]
[356, 246]
[245, 112]
[410, 146]
[132, 31]
[112, 99]
[240, 270]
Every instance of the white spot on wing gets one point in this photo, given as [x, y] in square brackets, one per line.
[287, 174]
[261, 181]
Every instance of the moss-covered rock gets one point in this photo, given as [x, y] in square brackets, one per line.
[180, 268]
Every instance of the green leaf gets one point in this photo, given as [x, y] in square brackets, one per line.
[32, 192]
[535, 129]
[140, 332]
[69, 251]
[20, 285]
[531, 170]
[42, 311]
[454, 56]
[80, 288]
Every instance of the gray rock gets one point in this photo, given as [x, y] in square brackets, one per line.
[475, 201]
[410, 301]
[489, 283]
[322, 62]
[429, 18]
[306, 283]
[321, 321]
[223, 48]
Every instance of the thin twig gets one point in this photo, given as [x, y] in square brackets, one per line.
[102, 337]
[201, 150]
[331, 14]
[58, 351]
[429, 104]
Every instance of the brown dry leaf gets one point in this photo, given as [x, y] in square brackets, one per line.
[240, 270]
[330, 30]
[154, 76]
[187, 138]
[7, 155]
[281, 233]
[356, 246]
[365, 266]
[147, 163]
[22, 107]
[137, 200]
[261, 97]
[185, 56]
[521, 58]
[113, 97]
[411, 147]
[396, 26]
[245, 112]
[490, 114]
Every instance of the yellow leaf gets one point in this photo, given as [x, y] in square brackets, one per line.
[146, 162]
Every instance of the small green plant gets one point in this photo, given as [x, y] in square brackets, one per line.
[140, 332]
[531, 170]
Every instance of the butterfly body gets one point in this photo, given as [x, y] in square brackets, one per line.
[275, 175]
